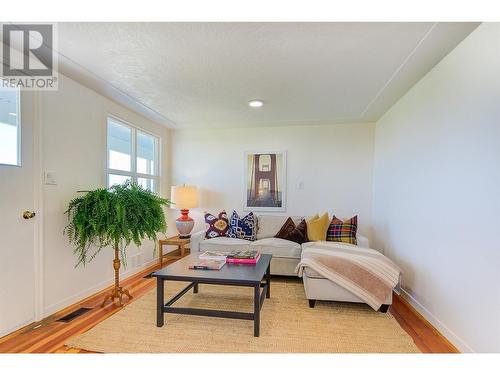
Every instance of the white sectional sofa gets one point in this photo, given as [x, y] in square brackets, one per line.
[286, 257]
[286, 254]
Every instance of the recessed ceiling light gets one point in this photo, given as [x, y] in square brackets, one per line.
[12, 114]
[255, 103]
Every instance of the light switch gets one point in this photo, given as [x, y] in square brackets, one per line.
[50, 178]
[301, 185]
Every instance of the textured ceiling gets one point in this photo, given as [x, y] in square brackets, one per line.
[193, 75]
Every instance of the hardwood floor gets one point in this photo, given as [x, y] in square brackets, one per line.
[49, 335]
[427, 338]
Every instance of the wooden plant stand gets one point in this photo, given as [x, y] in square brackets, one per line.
[118, 291]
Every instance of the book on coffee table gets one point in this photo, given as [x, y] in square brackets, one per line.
[214, 255]
[243, 260]
[243, 254]
[207, 265]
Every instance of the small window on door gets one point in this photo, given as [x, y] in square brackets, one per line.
[132, 154]
[10, 128]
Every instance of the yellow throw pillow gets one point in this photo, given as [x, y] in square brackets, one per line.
[317, 227]
[315, 217]
[312, 218]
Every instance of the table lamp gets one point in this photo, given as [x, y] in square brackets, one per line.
[184, 197]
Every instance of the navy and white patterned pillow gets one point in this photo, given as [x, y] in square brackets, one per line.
[244, 228]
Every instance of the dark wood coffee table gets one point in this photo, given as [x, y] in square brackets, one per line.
[230, 274]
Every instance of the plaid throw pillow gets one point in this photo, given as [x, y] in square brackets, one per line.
[343, 231]
[244, 228]
[217, 226]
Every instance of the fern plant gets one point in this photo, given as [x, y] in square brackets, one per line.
[114, 217]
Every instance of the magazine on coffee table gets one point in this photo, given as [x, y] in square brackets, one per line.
[235, 256]
[207, 265]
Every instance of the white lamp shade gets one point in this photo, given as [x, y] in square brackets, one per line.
[184, 196]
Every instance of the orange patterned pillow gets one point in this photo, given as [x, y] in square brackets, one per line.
[217, 226]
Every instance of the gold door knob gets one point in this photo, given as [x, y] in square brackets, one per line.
[28, 215]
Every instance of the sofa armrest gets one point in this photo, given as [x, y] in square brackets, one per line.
[196, 238]
[362, 241]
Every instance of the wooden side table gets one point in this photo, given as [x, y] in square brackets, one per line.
[175, 241]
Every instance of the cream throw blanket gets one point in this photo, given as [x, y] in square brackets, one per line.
[364, 272]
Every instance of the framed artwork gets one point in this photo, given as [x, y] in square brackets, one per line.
[265, 181]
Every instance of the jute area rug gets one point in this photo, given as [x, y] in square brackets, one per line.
[288, 325]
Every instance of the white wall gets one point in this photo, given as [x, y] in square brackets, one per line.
[436, 196]
[73, 121]
[334, 163]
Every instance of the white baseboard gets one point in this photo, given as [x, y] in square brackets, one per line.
[55, 307]
[440, 326]
[15, 328]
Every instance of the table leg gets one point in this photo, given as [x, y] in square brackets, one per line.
[268, 281]
[195, 288]
[160, 251]
[256, 310]
[160, 300]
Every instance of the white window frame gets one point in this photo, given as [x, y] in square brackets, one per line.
[156, 176]
[19, 132]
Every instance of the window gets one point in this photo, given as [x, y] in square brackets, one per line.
[131, 155]
[10, 129]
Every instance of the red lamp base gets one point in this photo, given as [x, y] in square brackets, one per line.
[184, 224]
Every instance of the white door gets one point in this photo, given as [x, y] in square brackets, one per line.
[17, 234]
